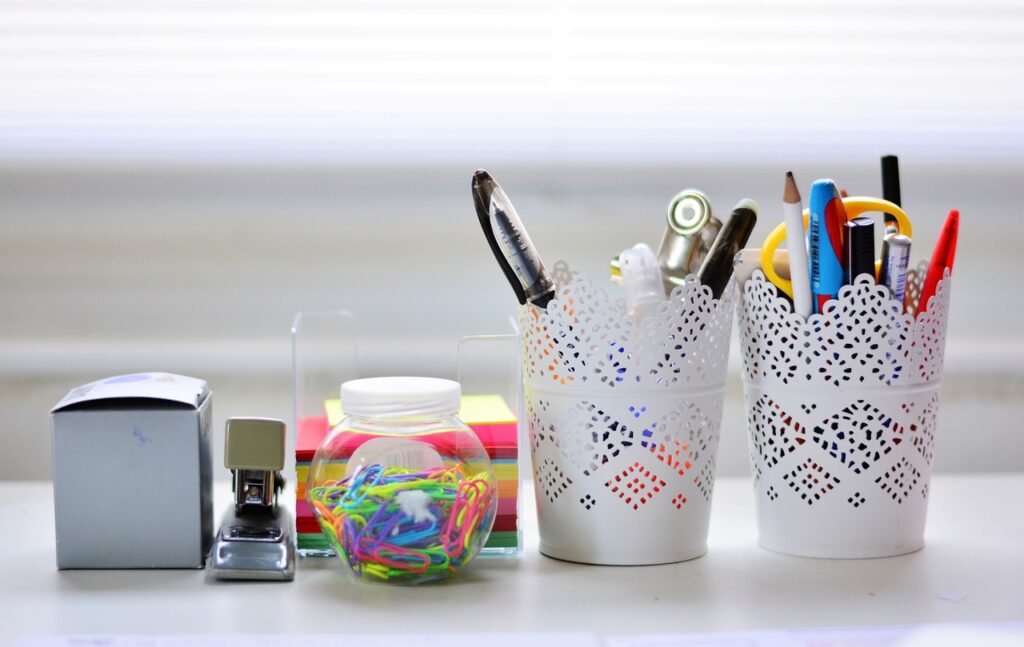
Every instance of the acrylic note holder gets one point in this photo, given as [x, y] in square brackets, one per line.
[624, 421]
[841, 414]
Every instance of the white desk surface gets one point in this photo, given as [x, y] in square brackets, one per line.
[974, 547]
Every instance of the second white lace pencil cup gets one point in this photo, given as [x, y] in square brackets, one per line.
[842, 411]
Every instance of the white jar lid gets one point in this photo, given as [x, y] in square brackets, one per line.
[397, 397]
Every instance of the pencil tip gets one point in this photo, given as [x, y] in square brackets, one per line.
[791, 194]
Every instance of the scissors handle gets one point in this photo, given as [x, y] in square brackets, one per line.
[854, 207]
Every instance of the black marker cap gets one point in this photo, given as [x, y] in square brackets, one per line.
[891, 187]
[858, 249]
[716, 270]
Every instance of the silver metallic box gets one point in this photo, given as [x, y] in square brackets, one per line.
[132, 470]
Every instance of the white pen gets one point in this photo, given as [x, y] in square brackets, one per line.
[796, 242]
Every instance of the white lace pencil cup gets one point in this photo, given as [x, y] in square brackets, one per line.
[841, 414]
[624, 421]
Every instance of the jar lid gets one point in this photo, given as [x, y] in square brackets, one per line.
[396, 397]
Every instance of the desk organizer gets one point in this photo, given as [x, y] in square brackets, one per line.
[624, 421]
[841, 415]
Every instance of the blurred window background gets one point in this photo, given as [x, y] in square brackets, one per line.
[532, 81]
[177, 179]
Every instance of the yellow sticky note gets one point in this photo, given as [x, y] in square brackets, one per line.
[485, 409]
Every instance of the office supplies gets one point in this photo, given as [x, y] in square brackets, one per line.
[854, 207]
[689, 234]
[717, 267]
[642, 280]
[125, 448]
[942, 259]
[749, 259]
[325, 349]
[858, 248]
[255, 537]
[491, 420]
[402, 489]
[891, 189]
[625, 420]
[796, 242]
[510, 243]
[895, 263]
[825, 239]
[842, 414]
[403, 525]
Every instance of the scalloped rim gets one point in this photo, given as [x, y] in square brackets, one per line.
[813, 323]
[648, 332]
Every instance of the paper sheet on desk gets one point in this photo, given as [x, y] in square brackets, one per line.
[548, 639]
[987, 635]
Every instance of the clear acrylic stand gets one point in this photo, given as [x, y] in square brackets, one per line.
[478, 357]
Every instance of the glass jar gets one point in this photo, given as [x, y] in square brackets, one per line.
[403, 490]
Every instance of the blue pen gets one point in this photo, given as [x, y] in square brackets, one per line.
[825, 234]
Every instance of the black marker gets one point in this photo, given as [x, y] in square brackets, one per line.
[859, 249]
[716, 270]
[510, 243]
[891, 190]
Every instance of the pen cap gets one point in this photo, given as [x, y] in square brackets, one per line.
[891, 189]
[641, 277]
[895, 263]
[717, 267]
[821, 192]
[859, 248]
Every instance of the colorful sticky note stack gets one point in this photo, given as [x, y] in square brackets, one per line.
[487, 415]
[312, 431]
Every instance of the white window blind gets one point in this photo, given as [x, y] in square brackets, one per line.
[558, 80]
